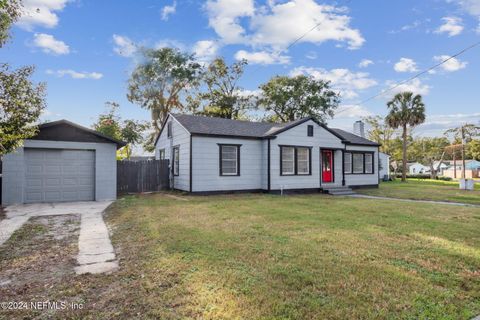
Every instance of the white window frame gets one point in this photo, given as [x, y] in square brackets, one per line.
[362, 162]
[176, 161]
[236, 159]
[282, 159]
[304, 160]
[347, 164]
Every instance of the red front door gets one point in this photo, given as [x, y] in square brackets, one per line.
[327, 166]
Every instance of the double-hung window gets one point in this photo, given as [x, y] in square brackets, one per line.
[161, 154]
[229, 160]
[368, 162]
[176, 161]
[358, 163]
[295, 160]
[347, 164]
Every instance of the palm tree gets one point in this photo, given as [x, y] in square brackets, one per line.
[405, 110]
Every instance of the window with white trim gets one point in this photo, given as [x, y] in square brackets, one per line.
[169, 129]
[303, 160]
[288, 160]
[295, 160]
[368, 162]
[176, 161]
[357, 162]
[229, 160]
[161, 154]
[347, 163]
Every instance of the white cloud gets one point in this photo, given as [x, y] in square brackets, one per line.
[452, 26]
[124, 46]
[278, 24]
[478, 28]
[312, 55]
[451, 65]
[49, 44]
[75, 75]
[352, 111]
[435, 125]
[262, 57]
[224, 16]
[343, 80]
[470, 6]
[171, 43]
[41, 13]
[365, 63]
[416, 86]
[168, 10]
[405, 65]
[206, 50]
[287, 21]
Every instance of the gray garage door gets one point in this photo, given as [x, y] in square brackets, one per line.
[59, 175]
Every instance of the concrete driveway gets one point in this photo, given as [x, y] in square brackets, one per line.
[95, 254]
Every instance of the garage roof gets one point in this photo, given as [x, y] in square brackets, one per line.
[64, 130]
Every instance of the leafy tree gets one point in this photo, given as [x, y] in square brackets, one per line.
[222, 96]
[405, 110]
[21, 103]
[427, 151]
[291, 98]
[129, 131]
[10, 11]
[381, 133]
[473, 149]
[159, 82]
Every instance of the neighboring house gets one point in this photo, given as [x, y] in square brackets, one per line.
[216, 155]
[418, 168]
[63, 162]
[472, 169]
[384, 170]
[440, 167]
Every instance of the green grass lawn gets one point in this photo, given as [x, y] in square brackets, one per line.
[271, 257]
[425, 190]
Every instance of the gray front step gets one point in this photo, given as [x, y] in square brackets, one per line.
[339, 191]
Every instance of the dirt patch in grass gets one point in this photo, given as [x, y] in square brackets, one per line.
[36, 259]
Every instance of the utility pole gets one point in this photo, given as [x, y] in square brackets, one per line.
[463, 151]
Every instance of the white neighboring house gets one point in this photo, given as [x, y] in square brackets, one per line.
[384, 170]
[440, 169]
[417, 168]
[221, 155]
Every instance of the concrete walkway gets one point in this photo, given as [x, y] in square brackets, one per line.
[96, 254]
[413, 200]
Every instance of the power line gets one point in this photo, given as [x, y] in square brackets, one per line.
[381, 93]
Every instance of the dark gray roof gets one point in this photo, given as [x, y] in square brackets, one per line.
[353, 138]
[227, 127]
[236, 128]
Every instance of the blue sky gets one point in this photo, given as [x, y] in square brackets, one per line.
[84, 50]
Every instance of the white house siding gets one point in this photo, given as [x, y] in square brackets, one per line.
[363, 179]
[297, 136]
[181, 138]
[206, 166]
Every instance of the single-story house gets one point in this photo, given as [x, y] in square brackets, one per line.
[210, 154]
[63, 162]
[440, 167]
[417, 168]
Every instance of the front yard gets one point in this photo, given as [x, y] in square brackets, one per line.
[416, 189]
[269, 257]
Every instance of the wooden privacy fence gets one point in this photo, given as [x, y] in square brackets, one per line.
[142, 176]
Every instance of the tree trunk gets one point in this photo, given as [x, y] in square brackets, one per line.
[454, 165]
[404, 153]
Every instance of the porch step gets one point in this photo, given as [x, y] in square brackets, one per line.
[339, 191]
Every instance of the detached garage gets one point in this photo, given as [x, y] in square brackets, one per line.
[63, 162]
